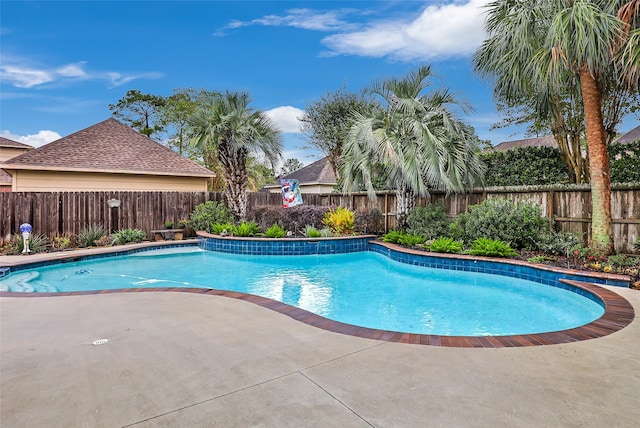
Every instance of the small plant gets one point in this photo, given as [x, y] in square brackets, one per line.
[622, 261]
[183, 223]
[168, 224]
[445, 245]
[275, 231]
[411, 240]
[558, 243]
[103, 241]
[341, 221]
[124, 236]
[636, 245]
[491, 247]
[89, 234]
[61, 242]
[310, 231]
[37, 243]
[221, 228]
[393, 236]
[541, 259]
[325, 232]
[245, 229]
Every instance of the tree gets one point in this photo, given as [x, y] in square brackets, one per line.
[226, 124]
[327, 119]
[544, 45]
[415, 138]
[290, 165]
[259, 174]
[140, 111]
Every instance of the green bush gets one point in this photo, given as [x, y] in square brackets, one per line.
[245, 229]
[430, 221]
[393, 236]
[622, 261]
[311, 232]
[558, 243]
[525, 166]
[90, 234]
[208, 213]
[492, 248]
[519, 223]
[61, 242]
[124, 236]
[625, 162]
[411, 240]
[445, 245]
[541, 259]
[37, 243]
[221, 228]
[275, 231]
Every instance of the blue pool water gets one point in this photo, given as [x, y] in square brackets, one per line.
[365, 289]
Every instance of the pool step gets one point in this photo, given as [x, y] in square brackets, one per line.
[26, 282]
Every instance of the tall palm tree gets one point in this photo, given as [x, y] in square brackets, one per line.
[415, 138]
[225, 123]
[544, 44]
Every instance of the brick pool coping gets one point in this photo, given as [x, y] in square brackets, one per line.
[618, 313]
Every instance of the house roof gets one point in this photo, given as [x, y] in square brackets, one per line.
[547, 141]
[108, 146]
[319, 172]
[5, 142]
[5, 179]
[629, 137]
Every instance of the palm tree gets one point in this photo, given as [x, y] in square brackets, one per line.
[225, 123]
[416, 140]
[544, 44]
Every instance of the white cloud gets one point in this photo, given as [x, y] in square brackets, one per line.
[14, 72]
[287, 118]
[443, 30]
[36, 140]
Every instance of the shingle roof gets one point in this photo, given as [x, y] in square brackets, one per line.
[318, 172]
[108, 146]
[547, 141]
[5, 142]
[630, 137]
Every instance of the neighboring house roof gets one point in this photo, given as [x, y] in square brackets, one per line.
[547, 141]
[319, 172]
[5, 178]
[629, 137]
[111, 147]
[5, 142]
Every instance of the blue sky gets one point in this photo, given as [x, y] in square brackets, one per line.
[63, 63]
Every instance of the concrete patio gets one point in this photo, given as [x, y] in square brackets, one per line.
[180, 359]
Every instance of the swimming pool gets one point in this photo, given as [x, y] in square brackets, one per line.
[361, 288]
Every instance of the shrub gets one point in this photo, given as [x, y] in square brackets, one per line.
[369, 220]
[411, 240]
[445, 245]
[622, 261]
[625, 159]
[104, 240]
[37, 243]
[275, 231]
[221, 228]
[519, 223]
[341, 221]
[168, 224]
[430, 221]
[124, 236]
[311, 232]
[636, 245]
[492, 248]
[393, 236]
[245, 229]
[325, 232]
[558, 243]
[208, 213]
[541, 259]
[525, 166]
[89, 234]
[61, 242]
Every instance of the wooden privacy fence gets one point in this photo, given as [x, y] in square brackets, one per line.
[65, 213]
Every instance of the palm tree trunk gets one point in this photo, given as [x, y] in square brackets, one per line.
[601, 229]
[405, 202]
[234, 165]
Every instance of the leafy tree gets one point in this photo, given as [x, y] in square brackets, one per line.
[140, 111]
[259, 174]
[525, 166]
[290, 165]
[327, 119]
[625, 162]
[545, 46]
[231, 128]
[415, 138]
